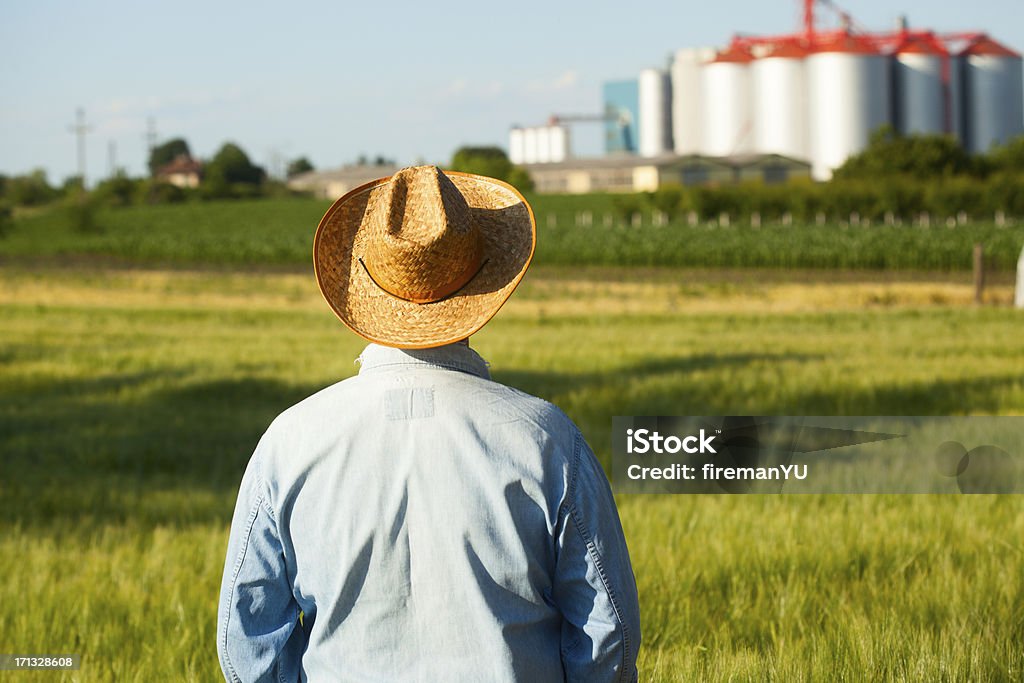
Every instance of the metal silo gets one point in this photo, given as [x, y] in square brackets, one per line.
[848, 98]
[727, 125]
[543, 145]
[780, 102]
[686, 98]
[558, 142]
[956, 99]
[655, 113]
[919, 95]
[993, 97]
[515, 145]
[530, 145]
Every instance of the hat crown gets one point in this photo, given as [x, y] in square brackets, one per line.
[424, 244]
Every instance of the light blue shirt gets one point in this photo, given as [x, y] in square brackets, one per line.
[429, 524]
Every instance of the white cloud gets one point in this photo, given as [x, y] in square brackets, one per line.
[462, 88]
[150, 104]
[564, 81]
[455, 88]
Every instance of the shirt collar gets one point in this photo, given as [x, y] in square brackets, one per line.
[455, 356]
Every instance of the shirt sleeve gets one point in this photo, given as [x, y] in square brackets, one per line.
[258, 637]
[594, 585]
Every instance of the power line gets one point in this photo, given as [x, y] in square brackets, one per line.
[80, 129]
[150, 137]
[111, 158]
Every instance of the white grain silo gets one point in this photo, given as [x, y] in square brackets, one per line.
[848, 98]
[686, 98]
[543, 145]
[515, 145]
[530, 145]
[779, 83]
[727, 121]
[558, 143]
[993, 97]
[655, 113]
[919, 95]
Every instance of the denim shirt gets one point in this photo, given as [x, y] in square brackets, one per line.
[420, 522]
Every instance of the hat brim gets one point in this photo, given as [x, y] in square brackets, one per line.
[509, 231]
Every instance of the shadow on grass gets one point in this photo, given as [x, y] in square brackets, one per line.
[115, 447]
[166, 450]
[555, 385]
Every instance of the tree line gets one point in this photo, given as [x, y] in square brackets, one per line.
[230, 173]
[894, 177]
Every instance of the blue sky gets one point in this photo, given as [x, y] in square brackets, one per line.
[333, 80]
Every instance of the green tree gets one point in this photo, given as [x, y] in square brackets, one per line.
[298, 167]
[231, 174]
[488, 161]
[119, 190]
[72, 185]
[520, 179]
[922, 156]
[491, 162]
[1009, 156]
[30, 190]
[166, 153]
[234, 166]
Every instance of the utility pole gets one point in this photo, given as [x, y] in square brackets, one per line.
[150, 139]
[80, 129]
[111, 158]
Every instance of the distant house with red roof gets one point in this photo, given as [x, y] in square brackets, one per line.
[184, 171]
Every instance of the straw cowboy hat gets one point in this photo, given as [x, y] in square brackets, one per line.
[424, 257]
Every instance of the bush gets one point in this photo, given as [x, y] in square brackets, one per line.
[80, 208]
[669, 199]
[953, 195]
[625, 205]
[159, 192]
[1005, 192]
[118, 191]
[6, 218]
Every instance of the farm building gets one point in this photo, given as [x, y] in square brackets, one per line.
[632, 173]
[184, 171]
[334, 183]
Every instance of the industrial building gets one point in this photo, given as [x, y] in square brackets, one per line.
[818, 95]
[813, 96]
[635, 173]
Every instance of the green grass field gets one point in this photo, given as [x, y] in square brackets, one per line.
[130, 400]
[279, 232]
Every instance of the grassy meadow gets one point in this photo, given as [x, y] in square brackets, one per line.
[131, 398]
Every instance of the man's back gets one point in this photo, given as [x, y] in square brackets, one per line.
[431, 525]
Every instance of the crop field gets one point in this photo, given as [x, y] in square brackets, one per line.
[130, 400]
[278, 232]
